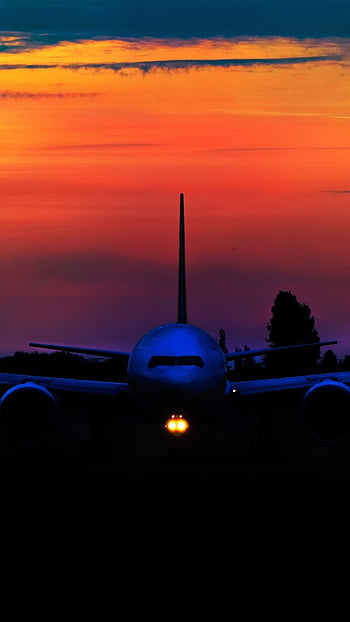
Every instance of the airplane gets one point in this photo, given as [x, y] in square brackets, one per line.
[176, 373]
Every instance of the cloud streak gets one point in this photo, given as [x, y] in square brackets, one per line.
[91, 269]
[93, 146]
[42, 95]
[312, 148]
[336, 191]
[176, 65]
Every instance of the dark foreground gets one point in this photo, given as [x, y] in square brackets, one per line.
[178, 538]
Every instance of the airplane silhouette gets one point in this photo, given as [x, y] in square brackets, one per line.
[176, 372]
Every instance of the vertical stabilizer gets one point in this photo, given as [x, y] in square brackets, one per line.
[181, 299]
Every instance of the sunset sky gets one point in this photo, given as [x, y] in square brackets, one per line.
[108, 110]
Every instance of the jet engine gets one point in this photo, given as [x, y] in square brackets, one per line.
[325, 410]
[28, 413]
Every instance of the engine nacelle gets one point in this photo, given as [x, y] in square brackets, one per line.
[326, 411]
[28, 413]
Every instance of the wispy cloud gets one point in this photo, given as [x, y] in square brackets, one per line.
[176, 65]
[42, 95]
[116, 145]
[336, 191]
[90, 268]
[311, 148]
[286, 113]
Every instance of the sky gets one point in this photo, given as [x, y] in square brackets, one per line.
[108, 110]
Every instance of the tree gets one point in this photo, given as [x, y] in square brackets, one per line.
[345, 363]
[291, 324]
[222, 340]
[328, 362]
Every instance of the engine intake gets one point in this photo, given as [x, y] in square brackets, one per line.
[28, 411]
[326, 411]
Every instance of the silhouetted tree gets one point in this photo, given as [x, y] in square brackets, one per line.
[65, 364]
[291, 324]
[345, 363]
[245, 368]
[328, 362]
[238, 363]
[222, 340]
[249, 364]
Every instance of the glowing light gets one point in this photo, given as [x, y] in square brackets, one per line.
[181, 426]
[172, 426]
[177, 424]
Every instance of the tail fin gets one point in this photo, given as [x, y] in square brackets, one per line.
[181, 299]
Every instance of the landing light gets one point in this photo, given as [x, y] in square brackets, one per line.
[177, 424]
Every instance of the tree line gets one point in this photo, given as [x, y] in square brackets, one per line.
[65, 365]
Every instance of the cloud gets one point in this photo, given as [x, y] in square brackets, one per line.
[92, 146]
[95, 269]
[41, 95]
[303, 148]
[336, 191]
[70, 20]
[175, 65]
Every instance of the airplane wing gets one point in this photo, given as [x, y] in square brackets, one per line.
[272, 385]
[232, 356]
[79, 350]
[91, 387]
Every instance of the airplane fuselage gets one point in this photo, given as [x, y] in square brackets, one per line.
[176, 365]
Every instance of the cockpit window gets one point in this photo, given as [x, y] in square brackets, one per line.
[189, 360]
[175, 360]
[162, 360]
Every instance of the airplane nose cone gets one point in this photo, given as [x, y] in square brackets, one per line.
[173, 384]
[181, 384]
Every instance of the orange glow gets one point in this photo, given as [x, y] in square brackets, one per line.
[177, 425]
[93, 160]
